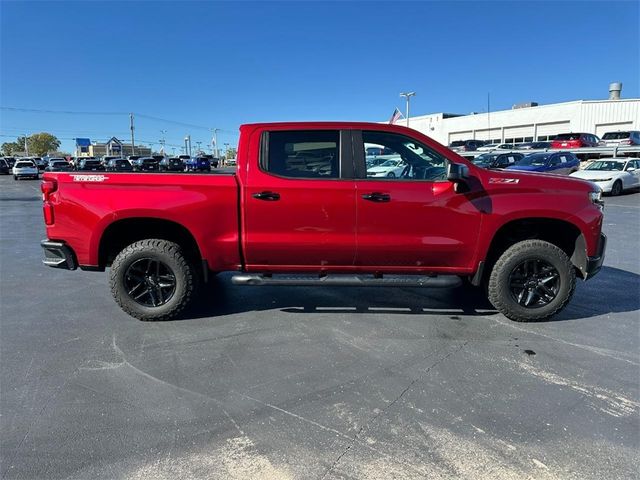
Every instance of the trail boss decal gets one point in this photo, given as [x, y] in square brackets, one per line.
[89, 178]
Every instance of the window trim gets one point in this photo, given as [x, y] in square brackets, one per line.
[345, 156]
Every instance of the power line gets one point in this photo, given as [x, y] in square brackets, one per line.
[142, 115]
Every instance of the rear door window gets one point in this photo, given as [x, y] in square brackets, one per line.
[302, 153]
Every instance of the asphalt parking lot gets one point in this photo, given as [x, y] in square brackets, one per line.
[303, 383]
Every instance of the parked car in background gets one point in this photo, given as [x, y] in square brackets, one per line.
[212, 160]
[158, 158]
[231, 162]
[58, 165]
[392, 168]
[118, 164]
[11, 161]
[466, 145]
[532, 145]
[497, 159]
[575, 140]
[41, 163]
[184, 158]
[107, 158]
[613, 139]
[612, 175]
[90, 165]
[561, 163]
[198, 164]
[495, 146]
[25, 169]
[5, 169]
[171, 164]
[146, 164]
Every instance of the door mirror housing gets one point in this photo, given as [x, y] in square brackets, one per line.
[457, 172]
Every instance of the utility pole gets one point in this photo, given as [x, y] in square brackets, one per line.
[187, 145]
[26, 146]
[162, 142]
[198, 144]
[133, 144]
[215, 141]
[407, 95]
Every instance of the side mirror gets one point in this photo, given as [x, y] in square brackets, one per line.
[457, 172]
[631, 169]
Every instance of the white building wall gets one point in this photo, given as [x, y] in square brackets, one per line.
[597, 117]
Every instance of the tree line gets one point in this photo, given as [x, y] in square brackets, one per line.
[37, 144]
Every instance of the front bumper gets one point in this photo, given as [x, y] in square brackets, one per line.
[58, 255]
[594, 264]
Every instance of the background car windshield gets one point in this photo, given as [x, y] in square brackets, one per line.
[568, 136]
[457, 143]
[390, 163]
[485, 158]
[615, 135]
[535, 159]
[605, 166]
[25, 165]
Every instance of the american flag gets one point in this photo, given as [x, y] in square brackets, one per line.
[397, 115]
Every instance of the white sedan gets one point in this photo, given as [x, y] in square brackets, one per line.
[25, 168]
[392, 168]
[612, 175]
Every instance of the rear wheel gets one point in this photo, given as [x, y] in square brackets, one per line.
[616, 189]
[152, 280]
[391, 175]
[532, 281]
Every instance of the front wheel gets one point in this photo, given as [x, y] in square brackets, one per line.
[152, 280]
[616, 189]
[391, 175]
[532, 281]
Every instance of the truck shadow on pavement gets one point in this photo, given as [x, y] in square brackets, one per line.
[611, 291]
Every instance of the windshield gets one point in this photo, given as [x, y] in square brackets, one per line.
[391, 163]
[457, 143]
[616, 135]
[25, 165]
[535, 159]
[568, 136]
[485, 158]
[58, 163]
[608, 166]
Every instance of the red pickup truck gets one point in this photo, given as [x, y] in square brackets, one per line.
[302, 209]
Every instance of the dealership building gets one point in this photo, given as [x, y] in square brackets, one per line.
[86, 148]
[532, 122]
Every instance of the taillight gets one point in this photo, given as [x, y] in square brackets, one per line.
[48, 187]
[625, 142]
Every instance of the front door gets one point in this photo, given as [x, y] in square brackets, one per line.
[412, 221]
[299, 202]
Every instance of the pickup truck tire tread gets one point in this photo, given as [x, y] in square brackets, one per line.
[498, 288]
[169, 253]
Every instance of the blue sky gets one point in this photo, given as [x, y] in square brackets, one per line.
[220, 64]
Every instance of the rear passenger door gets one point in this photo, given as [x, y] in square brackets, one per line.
[299, 202]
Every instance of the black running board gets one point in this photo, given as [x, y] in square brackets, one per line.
[258, 280]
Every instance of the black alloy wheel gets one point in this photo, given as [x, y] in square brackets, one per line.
[534, 283]
[150, 282]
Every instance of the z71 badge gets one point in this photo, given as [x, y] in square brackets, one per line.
[89, 178]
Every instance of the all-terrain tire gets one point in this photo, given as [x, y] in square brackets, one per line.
[501, 296]
[171, 255]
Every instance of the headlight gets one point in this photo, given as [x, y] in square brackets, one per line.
[596, 198]
[602, 179]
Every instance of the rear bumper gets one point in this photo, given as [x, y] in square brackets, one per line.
[58, 255]
[594, 264]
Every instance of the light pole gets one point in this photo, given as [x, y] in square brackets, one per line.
[187, 145]
[214, 140]
[162, 142]
[26, 146]
[407, 95]
[198, 151]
